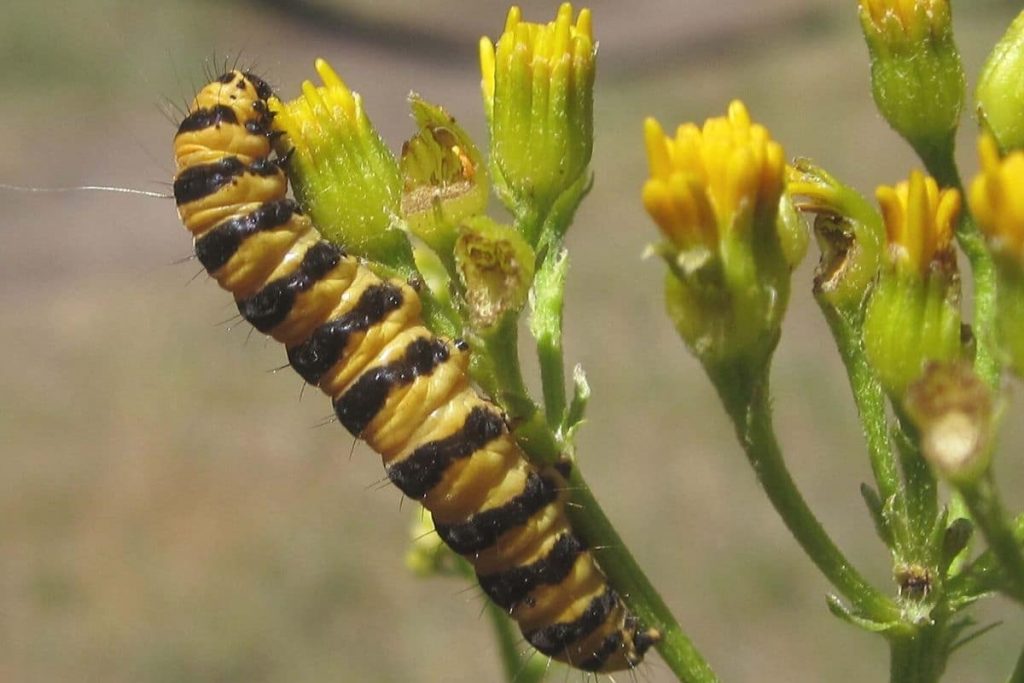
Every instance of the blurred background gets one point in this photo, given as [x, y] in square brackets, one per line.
[170, 511]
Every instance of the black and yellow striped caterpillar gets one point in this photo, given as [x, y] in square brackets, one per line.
[392, 382]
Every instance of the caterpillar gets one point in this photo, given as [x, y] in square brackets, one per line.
[393, 383]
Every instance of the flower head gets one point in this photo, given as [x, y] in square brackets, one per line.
[999, 95]
[917, 78]
[537, 83]
[714, 193]
[341, 171]
[919, 222]
[711, 181]
[444, 179]
[905, 19]
[913, 315]
[997, 199]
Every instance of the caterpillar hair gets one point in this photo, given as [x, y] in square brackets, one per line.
[393, 383]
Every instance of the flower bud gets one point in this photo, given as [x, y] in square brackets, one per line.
[997, 201]
[538, 82]
[714, 193]
[916, 75]
[1000, 92]
[913, 315]
[342, 173]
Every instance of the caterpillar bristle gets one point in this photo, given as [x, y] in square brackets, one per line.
[392, 382]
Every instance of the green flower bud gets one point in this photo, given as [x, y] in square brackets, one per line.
[913, 315]
[538, 83]
[714, 192]
[917, 78]
[1000, 92]
[341, 172]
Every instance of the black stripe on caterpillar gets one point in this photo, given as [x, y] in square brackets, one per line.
[393, 383]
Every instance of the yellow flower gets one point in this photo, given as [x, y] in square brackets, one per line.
[997, 198]
[537, 83]
[710, 181]
[715, 193]
[340, 169]
[919, 222]
[913, 315]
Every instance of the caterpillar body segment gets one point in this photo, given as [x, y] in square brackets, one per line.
[393, 383]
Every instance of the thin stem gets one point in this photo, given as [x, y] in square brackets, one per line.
[587, 517]
[746, 398]
[546, 327]
[870, 401]
[982, 499]
[921, 490]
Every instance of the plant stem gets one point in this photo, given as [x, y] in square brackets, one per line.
[746, 398]
[982, 499]
[919, 657]
[546, 327]
[629, 580]
[870, 401]
[921, 491]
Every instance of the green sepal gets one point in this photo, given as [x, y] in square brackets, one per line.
[911, 320]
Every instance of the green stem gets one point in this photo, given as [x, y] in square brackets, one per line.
[629, 580]
[921, 491]
[546, 327]
[982, 499]
[942, 166]
[870, 401]
[919, 657]
[746, 398]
